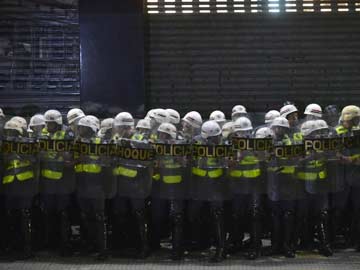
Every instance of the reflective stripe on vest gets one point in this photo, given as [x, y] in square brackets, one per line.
[53, 175]
[20, 176]
[156, 177]
[246, 174]
[341, 130]
[311, 176]
[125, 172]
[172, 179]
[283, 169]
[16, 164]
[88, 168]
[49, 172]
[211, 173]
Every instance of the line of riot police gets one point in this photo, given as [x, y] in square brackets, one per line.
[199, 183]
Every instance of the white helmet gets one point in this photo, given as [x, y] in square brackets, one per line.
[106, 124]
[168, 129]
[218, 116]
[150, 114]
[124, 119]
[174, 116]
[242, 124]
[193, 118]
[271, 115]
[313, 109]
[144, 123]
[210, 129]
[321, 125]
[2, 113]
[238, 110]
[227, 129]
[53, 116]
[263, 132]
[308, 127]
[288, 109]
[74, 114]
[160, 116]
[37, 120]
[22, 121]
[96, 121]
[280, 122]
[14, 125]
[90, 122]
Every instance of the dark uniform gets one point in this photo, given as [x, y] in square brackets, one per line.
[91, 200]
[19, 187]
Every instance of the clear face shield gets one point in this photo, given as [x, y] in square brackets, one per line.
[243, 134]
[85, 132]
[293, 119]
[11, 133]
[162, 136]
[279, 132]
[214, 140]
[52, 127]
[122, 131]
[37, 130]
[186, 128]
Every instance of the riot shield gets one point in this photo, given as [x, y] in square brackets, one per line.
[172, 174]
[209, 172]
[352, 147]
[335, 166]
[247, 166]
[20, 175]
[89, 169]
[133, 169]
[315, 174]
[282, 183]
[56, 166]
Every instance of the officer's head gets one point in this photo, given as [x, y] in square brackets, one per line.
[167, 132]
[13, 129]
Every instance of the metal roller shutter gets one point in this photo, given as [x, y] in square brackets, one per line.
[233, 52]
[39, 54]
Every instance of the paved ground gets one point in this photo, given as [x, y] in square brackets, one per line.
[344, 260]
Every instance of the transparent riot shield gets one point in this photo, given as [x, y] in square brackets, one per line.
[133, 169]
[20, 175]
[172, 174]
[209, 172]
[282, 183]
[57, 174]
[89, 169]
[247, 166]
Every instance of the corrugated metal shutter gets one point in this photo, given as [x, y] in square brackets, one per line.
[39, 53]
[210, 61]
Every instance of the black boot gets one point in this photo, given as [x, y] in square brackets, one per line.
[357, 216]
[26, 230]
[66, 248]
[49, 224]
[177, 237]
[234, 243]
[218, 216]
[255, 235]
[289, 224]
[101, 237]
[323, 234]
[276, 236]
[143, 250]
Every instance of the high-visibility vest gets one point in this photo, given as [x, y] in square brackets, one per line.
[286, 169]
[312, 171]
[248, 167]
[52, 167]
[212, 173]
[90, 164]
[17, 169]
[352, 153]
